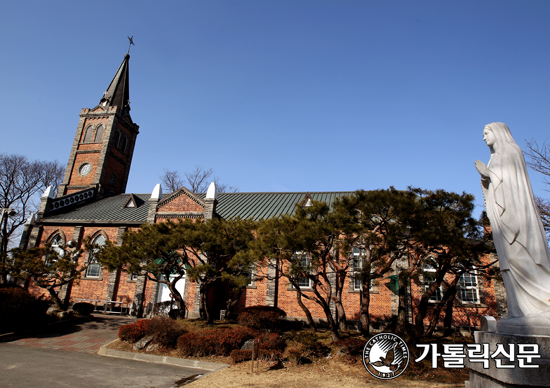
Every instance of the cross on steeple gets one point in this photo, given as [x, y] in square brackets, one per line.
[131, 39]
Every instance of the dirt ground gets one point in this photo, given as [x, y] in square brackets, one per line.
[330, 376]
[320, 374]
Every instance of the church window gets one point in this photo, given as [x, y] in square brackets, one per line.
[99, 133]
[249, 273]
[94, 268]
[88, 134]
[56, 244]
[112, 179]
[117, 139]
[301, 268]
[469, 290]
[124, 144]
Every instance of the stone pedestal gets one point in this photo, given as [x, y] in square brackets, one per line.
[514, 377]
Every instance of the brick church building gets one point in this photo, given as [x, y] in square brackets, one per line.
[92, 203]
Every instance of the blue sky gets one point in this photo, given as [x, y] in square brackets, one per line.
[284, 95]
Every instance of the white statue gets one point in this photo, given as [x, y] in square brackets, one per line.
[518, 234]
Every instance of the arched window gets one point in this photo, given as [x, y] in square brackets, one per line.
[117, 139]
[112, 180]
[94, 268]
[99, 133]
[124, 144]
[88, 134]
[56, 243]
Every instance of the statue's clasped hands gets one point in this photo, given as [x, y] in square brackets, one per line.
[482, 169]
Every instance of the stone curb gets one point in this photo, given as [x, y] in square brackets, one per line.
[209, 366]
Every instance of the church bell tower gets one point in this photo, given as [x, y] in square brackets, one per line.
[104, 143]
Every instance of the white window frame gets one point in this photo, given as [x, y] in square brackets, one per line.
[357, 262]
[303, 281]
[429, 272]
[93, 265]
[250, 273]
[469, 288]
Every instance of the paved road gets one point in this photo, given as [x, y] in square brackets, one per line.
[85, 337]
[68, 357]
[22, 366]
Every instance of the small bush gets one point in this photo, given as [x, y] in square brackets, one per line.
[295, 356]
[309, 343]
[271, 355]
[83, 308]
[134, 331]
[261, 317]
[238, 355]
[165, 331]
[19, 309]
[352, 346]
[213, 342]
[271, 341]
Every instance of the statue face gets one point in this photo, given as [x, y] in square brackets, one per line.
[489, 136]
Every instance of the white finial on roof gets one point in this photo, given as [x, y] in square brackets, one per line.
[211, 193]
[48, 193]
[157, 192]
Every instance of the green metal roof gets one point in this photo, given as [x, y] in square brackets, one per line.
[108, 210]
[230, 205]
[266, 205]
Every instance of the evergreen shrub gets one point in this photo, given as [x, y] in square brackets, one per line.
[83, 308]
[261, 317]
[20, 309]
[134, 331]
[218, 342]
[352, 346]
[165, 331]
[238, 355]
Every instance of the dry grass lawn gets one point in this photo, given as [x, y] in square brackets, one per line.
[320, 374]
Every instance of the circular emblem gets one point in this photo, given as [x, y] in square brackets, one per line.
[386, 356]
[85, 169]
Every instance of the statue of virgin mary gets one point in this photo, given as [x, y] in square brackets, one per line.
[518, 234]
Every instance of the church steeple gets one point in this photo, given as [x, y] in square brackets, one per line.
[118, 92]
[104, 143]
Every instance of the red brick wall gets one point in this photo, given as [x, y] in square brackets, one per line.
[181, 203]
[76, 179]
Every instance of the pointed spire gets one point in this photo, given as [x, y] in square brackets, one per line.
[118, 92]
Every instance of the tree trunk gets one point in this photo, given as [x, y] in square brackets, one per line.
[232, 301]
[325, 305]
[304, 307]
[365, 307]
[422, 309]
[451, 291]
[401, 322]
[178, 298]
[341, 315]
[448, 321]
[204, 311]
[55, 299]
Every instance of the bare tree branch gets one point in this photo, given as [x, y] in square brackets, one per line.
[544, 210]
[539, 158]
[197, 181]
[171, 180]
[21, 181]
